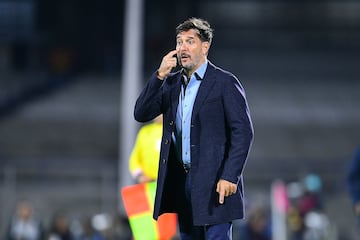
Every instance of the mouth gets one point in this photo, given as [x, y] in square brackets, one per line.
[184, 57]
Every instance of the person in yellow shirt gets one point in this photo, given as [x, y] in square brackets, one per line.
[143, 166]
[144, 159]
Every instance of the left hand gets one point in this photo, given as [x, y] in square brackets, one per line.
[144, 179]
[225, 189]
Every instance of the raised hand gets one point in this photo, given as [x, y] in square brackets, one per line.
[168, 62]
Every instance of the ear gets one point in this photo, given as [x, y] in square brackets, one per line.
[205, 47]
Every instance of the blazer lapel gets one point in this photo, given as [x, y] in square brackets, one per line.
[175, 93]
[205, 87]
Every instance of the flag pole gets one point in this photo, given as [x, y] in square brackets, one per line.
[132, 74]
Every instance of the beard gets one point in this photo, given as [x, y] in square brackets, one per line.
[189, 63]
[188, 66]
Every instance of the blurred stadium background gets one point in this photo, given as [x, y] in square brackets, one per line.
[61, 65]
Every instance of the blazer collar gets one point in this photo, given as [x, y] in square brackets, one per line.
[205, 87]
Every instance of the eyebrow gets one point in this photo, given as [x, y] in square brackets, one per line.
[177, 37]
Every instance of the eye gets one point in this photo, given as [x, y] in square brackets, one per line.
[191, 41]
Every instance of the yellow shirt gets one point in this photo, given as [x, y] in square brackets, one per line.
[145, 155]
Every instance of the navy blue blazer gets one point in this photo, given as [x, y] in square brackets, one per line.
[220, 139]
[353, 177]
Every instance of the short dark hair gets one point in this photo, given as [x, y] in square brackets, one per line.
[205, 32]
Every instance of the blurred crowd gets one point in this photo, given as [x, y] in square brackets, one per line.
[26, 225]
[305, 220]
[306, 217]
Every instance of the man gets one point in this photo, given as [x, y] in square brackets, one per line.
[24, 224]
[207, 133]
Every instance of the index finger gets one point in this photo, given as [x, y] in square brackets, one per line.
[171, 53]
[221, 196]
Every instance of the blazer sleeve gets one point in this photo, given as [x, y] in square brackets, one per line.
[240, 127]
[148, 104]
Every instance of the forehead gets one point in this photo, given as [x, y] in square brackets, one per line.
[192, 33]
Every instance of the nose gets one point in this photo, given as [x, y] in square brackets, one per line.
[182, 47]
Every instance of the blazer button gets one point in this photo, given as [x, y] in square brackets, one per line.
[171, 123]
[167, 141]
[164, 161]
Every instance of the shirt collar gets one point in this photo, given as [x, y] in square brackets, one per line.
[200, 72]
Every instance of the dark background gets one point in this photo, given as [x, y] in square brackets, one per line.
[60, 85]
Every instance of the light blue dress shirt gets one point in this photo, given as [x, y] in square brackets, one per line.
[184, 112]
